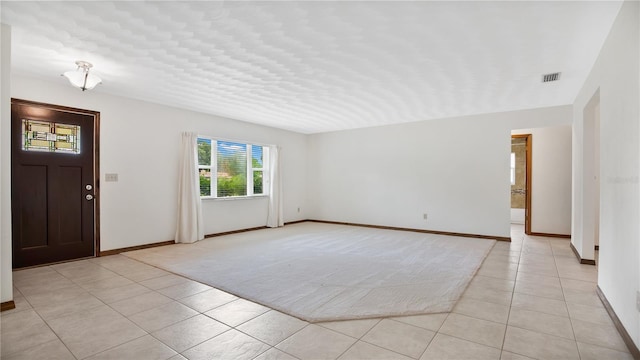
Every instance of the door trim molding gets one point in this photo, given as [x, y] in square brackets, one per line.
[527, 198]
[96, 157]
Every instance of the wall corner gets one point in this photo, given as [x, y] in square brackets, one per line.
[6, 276]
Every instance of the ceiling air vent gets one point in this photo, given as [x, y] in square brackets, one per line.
[550, 77]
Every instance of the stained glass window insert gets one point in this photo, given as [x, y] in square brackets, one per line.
[51, 137]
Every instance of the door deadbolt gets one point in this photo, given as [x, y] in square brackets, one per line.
[88, 187]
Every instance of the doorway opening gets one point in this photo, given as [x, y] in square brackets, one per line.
[54, 183]
[521, 181]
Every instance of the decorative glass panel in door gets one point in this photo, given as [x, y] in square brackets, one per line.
[51, 137]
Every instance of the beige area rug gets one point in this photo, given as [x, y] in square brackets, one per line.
[322, 272]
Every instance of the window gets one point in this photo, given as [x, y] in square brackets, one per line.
[231, 169]
[513, 168]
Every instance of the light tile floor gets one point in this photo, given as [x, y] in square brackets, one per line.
[530, 299]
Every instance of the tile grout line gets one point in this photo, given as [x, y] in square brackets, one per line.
[473, 317]
[270, 348]
[430, 341]
[350, 346]
[281, 341]
[512, 294]
[209, 317]
[357, 339]
[573, 331]
[125, 317]
[55, 333]
[128, 317]
[213, 337]
[382, 347]
[513, 290]
[566, 306]
[255, 338]
[151, 333]
[46, 323]
[436, 333]
[475, 342]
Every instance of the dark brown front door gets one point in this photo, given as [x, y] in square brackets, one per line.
[52, 183]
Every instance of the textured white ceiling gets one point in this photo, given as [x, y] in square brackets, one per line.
[318, 66]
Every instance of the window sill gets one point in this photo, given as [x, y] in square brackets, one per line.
[231, 198]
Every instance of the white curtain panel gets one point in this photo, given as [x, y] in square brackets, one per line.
[190, 227]
[275, 217]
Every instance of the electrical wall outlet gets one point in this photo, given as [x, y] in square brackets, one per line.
[111, 177]
[425, 216]
[298, 209]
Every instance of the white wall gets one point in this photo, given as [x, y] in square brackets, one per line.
[456, 170]
[587, 177]
[596, 177]
[551, 180]
[517, 216]
[140, 142]
[616, 74]
[6, 279]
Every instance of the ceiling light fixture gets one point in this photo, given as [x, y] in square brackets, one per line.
[81, 78]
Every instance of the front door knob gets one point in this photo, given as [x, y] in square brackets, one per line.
[89, 197]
